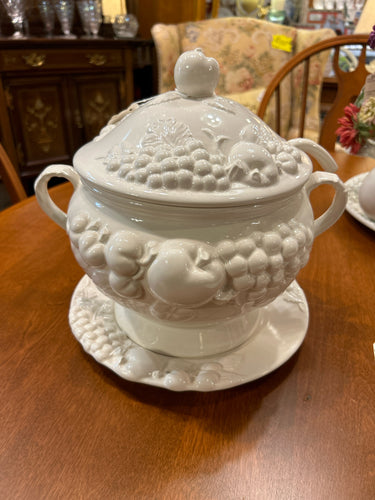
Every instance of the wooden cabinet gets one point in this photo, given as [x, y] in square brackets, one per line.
[56, 95]
[150, 12]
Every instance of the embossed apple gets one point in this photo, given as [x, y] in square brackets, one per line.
[252, 163]
[185, 274]
[195, 74]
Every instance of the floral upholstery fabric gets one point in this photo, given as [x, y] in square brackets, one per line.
[167, 44]
[248, 59]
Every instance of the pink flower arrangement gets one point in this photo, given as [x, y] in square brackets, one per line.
[347, 132]
[358, 123]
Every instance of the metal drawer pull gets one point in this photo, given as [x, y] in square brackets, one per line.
[35, 60]
[97, 59]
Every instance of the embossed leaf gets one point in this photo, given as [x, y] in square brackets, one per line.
[293, 294]
[167, 132]
[168, 312]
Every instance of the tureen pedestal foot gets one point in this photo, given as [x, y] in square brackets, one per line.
[187, 340]
[280, 330]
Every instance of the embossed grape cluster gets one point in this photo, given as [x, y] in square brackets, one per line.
[189, 166]
[286, 157]
[257, 267]
[266, 262]
[121, 252]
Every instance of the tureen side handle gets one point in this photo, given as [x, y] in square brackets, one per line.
[334, 211]
[316, 151]
[42, 194]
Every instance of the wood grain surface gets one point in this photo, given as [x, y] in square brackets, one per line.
[71, 429]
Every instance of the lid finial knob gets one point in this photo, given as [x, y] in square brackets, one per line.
[195, 74]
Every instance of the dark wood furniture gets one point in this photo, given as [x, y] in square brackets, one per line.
[150, 12]
[56, 94]
[70, 428]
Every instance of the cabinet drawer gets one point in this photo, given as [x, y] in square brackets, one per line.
[21, 60]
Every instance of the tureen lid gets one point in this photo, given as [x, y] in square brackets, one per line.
[191, 147]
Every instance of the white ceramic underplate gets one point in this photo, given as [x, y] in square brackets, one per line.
[353, 206]
[282, 328]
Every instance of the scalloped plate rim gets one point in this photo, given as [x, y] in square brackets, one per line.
[284, 316]
[353, 207]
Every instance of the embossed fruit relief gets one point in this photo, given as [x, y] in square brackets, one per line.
[185, 275]
[190, 214]
[171, 158]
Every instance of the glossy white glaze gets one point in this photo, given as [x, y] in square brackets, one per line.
[366, 194]
[353, 206]
[280, 330]
[190, 212]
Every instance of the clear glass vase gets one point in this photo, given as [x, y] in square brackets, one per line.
[125, 26]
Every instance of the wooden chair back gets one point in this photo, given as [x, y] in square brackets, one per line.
[10, 177]
[349, 85]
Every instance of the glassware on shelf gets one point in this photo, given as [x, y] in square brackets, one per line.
[47, 14]
[125, 26]
[90, 12]
[83, 12]
[65, 12]
[277, 12]
[16, 11]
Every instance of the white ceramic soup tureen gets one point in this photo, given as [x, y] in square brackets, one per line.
[189, 217]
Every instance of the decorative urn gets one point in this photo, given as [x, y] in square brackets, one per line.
[191, 219]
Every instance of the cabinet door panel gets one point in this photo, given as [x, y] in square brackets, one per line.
[99, 98]
[37, 112]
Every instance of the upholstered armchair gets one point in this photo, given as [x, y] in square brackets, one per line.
[250, 51]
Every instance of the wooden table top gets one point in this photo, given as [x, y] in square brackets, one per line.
[70, 428]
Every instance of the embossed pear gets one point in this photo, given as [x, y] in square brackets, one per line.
[185, 273]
